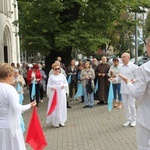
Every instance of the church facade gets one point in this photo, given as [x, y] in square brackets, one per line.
[9, 40]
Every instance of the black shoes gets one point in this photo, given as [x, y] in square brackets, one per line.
[86, 106]
[102, 103]
[68, 106]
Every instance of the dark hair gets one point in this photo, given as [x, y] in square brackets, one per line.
[115, 59]
[12, 64]
[80, 64]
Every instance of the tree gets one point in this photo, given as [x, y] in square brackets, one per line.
[147, 24]
[57, 26]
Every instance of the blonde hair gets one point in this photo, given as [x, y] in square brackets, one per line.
[55, 65]
[87, 62]
[6, 70]
[58, 62]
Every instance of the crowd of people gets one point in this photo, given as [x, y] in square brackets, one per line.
[129, 82]
[88, 73]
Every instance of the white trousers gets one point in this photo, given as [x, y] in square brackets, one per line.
[143, 137]
[129, 106]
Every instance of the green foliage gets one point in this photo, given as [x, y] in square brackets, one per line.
[147, 24]
[47, 25]
[141, 49]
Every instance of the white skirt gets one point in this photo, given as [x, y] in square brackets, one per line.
[10, 142]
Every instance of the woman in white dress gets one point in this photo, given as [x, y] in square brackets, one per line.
[10, 111]
[57, 82]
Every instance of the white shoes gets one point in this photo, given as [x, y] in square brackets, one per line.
[62, 125]
[127, 123]
[132, 124]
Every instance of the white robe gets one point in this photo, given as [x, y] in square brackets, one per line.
[10, 111]
[59, 115]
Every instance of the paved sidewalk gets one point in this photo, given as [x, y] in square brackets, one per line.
[86, 129]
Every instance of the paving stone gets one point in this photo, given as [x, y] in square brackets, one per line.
[86, 129]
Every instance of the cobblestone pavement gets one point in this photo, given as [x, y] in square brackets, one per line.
[86, 129]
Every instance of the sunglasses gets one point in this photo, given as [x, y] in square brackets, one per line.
[57, 69]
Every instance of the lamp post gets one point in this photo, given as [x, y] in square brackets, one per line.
[136, 40]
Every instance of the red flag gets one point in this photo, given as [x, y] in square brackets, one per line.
[35, 137]
[54, 103]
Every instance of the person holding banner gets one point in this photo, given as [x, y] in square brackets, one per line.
[63, 72]
[87, 76]
[34, 76]
[10, 111]
[71, 73]
[43, 83]
[113, 72]
[19, 84]
[94, 67]
[80, 88]
[57, 87]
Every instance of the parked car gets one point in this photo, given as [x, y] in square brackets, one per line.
[141, 60]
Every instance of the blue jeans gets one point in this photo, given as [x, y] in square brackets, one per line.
[116, 90]
[88, 98]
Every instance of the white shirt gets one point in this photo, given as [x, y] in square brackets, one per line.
[140, 90]
[115, 70]
[129, 72]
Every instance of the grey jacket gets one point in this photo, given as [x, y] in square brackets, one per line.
[85, 73]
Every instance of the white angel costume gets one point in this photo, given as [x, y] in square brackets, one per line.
[10, 113]
[59, 115]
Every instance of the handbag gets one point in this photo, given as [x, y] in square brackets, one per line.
[89, 88]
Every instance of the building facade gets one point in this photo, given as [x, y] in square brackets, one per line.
[9, 40]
